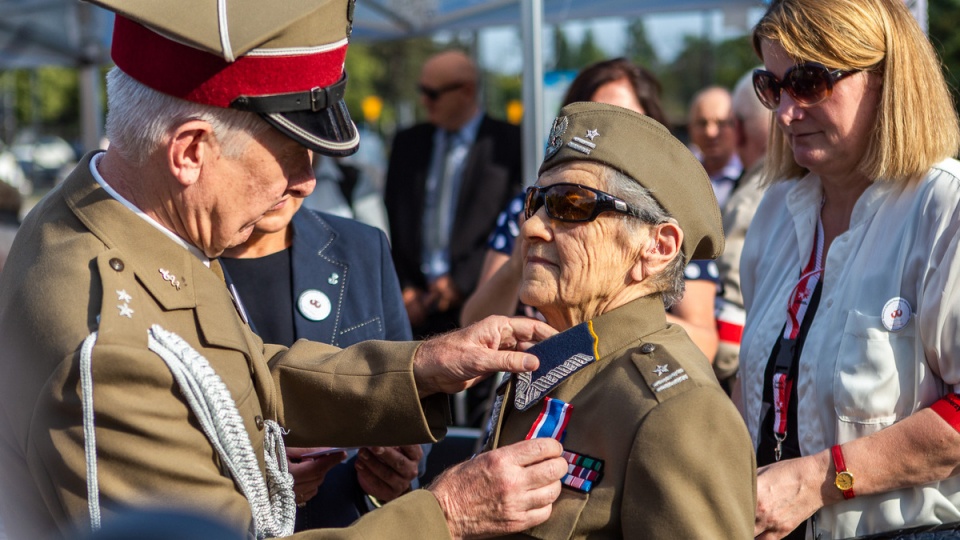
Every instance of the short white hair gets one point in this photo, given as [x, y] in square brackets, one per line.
[747, 106]
[139, 118]
[670, 282]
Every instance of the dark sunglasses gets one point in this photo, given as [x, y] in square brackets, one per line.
[808, 84]
[576, 203]
[433, 93]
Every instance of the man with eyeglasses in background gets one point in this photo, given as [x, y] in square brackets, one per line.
[711, 130]
[447, 180]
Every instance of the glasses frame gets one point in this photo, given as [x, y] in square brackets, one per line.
[536, 198]
[829, 76]
[434, 94]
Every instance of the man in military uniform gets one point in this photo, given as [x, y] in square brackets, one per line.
[130, 375]
[655, 448]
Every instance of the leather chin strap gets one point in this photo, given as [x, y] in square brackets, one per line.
[314, 100]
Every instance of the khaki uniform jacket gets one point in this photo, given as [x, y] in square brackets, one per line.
[83, 262]
[678, 462]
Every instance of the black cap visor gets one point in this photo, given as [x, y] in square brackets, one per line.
[316, 118]
[329, 131]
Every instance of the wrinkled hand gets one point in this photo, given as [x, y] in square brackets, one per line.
[417, 309]
[457, 360]
[308, 473]
[443, 294]
[788, 493]
[386, 472]
[503, 491]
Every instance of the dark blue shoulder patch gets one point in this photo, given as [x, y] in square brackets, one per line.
[560, 356]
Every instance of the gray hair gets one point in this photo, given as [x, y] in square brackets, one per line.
[670, 282]
[747, 106]
[139, 118]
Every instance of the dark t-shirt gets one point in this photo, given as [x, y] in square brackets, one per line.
[265, 285]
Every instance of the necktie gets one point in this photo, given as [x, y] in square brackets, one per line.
[437, 222]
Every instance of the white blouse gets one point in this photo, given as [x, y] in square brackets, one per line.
[885, 341]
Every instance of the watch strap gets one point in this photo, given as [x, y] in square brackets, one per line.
[844, 479]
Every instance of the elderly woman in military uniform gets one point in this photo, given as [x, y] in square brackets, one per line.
[654, 446]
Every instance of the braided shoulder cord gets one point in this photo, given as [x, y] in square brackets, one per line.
[272, 502]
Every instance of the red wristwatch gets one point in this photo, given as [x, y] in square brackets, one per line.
[844, 480]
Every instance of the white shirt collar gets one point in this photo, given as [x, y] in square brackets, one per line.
[113, 193]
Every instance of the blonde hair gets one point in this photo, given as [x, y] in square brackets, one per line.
[916, 123]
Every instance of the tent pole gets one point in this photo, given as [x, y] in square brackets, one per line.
[531, 17]
[91, 128]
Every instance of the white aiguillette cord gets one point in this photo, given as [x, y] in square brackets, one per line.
[272, 503]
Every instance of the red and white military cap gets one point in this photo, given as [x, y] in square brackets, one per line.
[282, 59]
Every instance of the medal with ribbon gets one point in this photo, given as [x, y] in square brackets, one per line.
[583, 472]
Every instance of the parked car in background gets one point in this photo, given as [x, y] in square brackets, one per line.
[11, 173]
[43, 157]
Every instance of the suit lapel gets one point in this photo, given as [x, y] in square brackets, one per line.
[319, 279]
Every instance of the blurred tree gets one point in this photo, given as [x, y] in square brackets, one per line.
[944, 19]
[589, 52]
[47, 99]
[702, 63]
[499, 90]
[639, 49]
[364, 70]
[563, 55]
[393, 77]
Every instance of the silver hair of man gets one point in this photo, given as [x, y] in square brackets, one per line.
[139, 119]
[747, 106]
[670, 282]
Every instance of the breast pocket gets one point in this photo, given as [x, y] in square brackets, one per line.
[875, 378]
[362, 331]
[563, 518]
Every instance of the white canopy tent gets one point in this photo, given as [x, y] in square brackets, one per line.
[72, 33]
[387, 19]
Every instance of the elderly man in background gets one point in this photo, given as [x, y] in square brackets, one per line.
[130, 377]
[710, 124]
[447, 180]
[752, 125]
[656, 450]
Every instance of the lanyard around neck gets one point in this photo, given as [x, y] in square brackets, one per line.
[788, 353]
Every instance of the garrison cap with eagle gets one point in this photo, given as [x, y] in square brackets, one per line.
[282, 59]
[644, 150]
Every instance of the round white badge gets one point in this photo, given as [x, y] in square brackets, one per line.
[896, 314]
[314, 305]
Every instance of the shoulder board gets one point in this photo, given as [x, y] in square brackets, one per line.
[662, 372]
[122, 305]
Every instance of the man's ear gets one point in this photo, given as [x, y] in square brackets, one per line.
[190, 144]
[662, 247]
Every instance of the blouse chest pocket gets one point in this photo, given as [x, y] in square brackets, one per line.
[875, 376]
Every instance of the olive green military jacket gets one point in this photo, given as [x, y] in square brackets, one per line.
[677, 459]
[83, 262]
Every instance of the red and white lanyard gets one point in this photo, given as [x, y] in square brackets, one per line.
[796, 311]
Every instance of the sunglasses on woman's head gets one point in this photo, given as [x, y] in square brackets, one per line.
[576, 203]
[808, 84]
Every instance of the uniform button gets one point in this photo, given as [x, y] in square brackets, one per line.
[259, 421]
[648, 348]
[116, 264]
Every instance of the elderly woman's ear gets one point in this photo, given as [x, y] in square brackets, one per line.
[662, 247]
